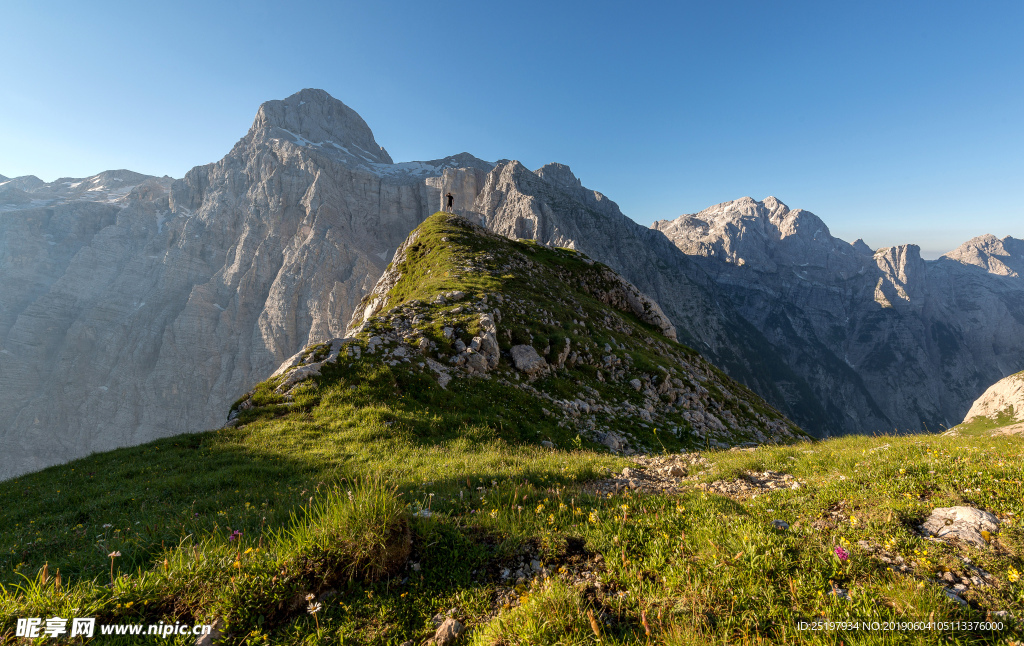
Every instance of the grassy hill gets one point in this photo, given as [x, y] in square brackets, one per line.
[397, 487]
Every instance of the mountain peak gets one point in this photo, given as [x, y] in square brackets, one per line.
[775, 206]
[559, 175]
[315, 116]
[1002, 257]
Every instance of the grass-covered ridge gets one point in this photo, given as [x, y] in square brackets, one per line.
[392, 500]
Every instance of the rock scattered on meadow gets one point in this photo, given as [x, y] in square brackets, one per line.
[527, 360]
[752, 484]
[448, 632]
[964, 523]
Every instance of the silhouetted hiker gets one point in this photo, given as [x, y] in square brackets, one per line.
[450, 200]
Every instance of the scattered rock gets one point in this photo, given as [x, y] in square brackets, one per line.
[448, 632]
[475, 362]
[655, 474]
[546, 444]
[299, 374]
[613, 441]
[526, 359]
[442, 373]
[212, 637]
[964, 523]
[840, 593]
[780, 525]
[752, 484]
[952, 596]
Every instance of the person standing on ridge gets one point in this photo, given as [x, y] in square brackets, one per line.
[450, 201]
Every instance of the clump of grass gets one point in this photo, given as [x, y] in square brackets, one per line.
[343, 535]
[550, 612]
[362, 531]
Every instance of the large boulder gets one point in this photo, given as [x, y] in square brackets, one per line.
[1004, 396]
[487, 342]
[526, 359]
[448, 632]
[964, 523]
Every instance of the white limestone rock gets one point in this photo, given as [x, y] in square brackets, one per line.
[964, 523]
[1004, 396]
[526, 360]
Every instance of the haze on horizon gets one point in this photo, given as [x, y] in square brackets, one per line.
[894, 124]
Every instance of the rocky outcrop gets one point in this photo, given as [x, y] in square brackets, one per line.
[523, 318]
[551, 206]
[377, 301]
[626, 297]
[962, 523]
[1005, 397]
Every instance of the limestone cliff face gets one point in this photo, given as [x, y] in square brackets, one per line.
[1004, 396]
[137, 307]
[885, 337]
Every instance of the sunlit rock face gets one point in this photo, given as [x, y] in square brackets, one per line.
[882, 336]
[134, 307]
[1003, 398]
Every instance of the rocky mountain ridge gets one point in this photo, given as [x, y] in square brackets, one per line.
[552, 207]
[459, 304]
[127, 315]
[895, 320]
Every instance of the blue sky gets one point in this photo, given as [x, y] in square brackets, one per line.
[894, 121]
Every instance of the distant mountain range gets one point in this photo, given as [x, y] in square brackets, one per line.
[135, 307]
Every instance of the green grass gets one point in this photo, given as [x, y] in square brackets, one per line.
[702, 568]
[449, 488]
